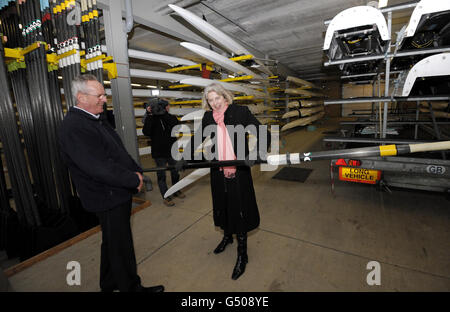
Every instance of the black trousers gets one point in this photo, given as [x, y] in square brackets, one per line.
[118, 269]
[175, 177]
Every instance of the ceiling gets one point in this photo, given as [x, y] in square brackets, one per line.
[288, 33]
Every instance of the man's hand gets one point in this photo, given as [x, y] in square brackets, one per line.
[141, 181]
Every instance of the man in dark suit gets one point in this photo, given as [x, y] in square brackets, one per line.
[105, 177]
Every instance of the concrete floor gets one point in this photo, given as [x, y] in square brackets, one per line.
[309, 239]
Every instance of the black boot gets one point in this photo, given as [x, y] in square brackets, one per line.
[242, 257]
[227, 239]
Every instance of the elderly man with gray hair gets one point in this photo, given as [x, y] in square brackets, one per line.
[105, 177]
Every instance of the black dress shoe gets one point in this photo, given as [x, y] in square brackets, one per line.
[152, 289]
[239, 268]
[225, 241]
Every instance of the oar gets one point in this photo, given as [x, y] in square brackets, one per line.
[382, 150]
[208, 164]
[296, 158]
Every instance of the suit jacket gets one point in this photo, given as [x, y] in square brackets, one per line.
[103, 172]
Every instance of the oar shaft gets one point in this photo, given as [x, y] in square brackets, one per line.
[208, 164]
[426, 147]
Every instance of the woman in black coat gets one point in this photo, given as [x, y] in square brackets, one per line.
[234, 203]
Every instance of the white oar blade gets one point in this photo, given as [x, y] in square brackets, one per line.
[210, 31]
[189, 179]
[216, 35]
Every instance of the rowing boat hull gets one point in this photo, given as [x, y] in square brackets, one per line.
[303, 112]
[301, 82]
[302, 121]
[303, 92]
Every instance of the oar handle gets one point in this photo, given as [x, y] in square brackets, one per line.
[158, 169]
[427, 147]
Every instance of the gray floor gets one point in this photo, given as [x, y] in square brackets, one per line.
[309, 238]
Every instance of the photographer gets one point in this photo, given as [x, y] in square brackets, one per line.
[158, 124]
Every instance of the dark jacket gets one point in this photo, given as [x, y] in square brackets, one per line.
[159, 128]
[102, 170]
[234, 203]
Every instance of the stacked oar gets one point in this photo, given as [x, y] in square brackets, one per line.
[5, 209]
[42, 110]
[68, 44]
[89, 18]
[9, 25]
[26, 212]
[41, 201]
[62, 179]
[25, 204]
[7, 14]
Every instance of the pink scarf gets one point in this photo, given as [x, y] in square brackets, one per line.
[224, 145]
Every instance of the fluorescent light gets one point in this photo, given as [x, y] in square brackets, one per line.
[107, 82]
[231, 76]
[136, 85]
[153, 87]
[60, 77]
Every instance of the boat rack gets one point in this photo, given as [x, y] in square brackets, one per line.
[387, 56]
[405, 172]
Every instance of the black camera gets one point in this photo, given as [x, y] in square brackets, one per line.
[157, 105]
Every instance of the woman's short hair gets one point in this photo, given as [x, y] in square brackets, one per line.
[79, 84]
[219, 89]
